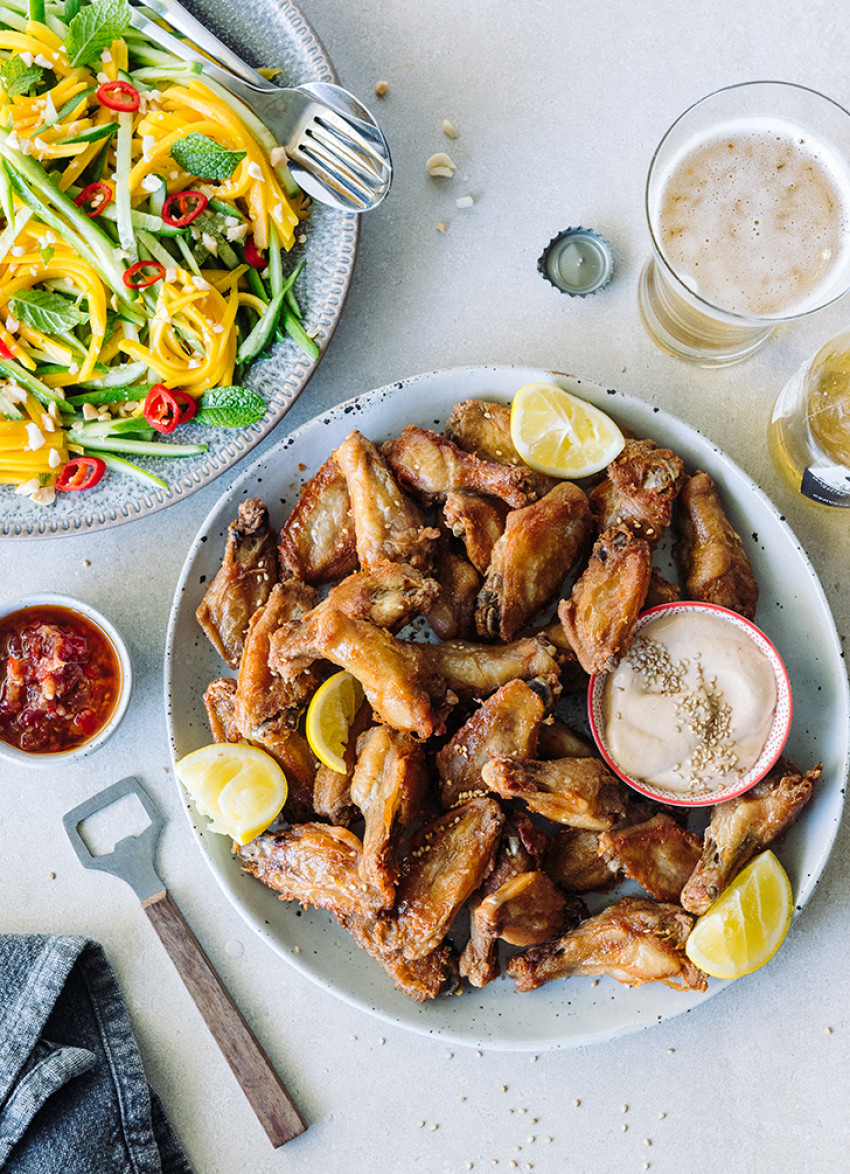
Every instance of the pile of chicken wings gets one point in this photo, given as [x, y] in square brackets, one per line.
[468, 594]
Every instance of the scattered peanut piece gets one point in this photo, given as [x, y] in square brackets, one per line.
[448, 130]
[465, 202]
[381, 89]
[440, 165]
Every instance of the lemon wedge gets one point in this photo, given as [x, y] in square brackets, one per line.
[559, 434]
[747, 923]
[329, 716]
[239, 787]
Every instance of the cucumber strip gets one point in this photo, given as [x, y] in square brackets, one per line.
[226, 210]
[37, 11]
[188, 255]
[158, 197]
[261, 336]
[123, 164]
[18, 374]
[111, 395]
[6, 201]
[120, 376]
[93, 431]
[93, 134]
[275, 262]
[10, 233]
[156, 250]
[145, 448]
[14, 20]
[65, 110]
[119, 465]
[8, 410]
[296, 332]
[256, 283]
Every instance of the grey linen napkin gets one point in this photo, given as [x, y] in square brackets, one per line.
[73, 1094]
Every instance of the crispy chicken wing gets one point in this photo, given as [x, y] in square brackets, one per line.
[557, 740]
[715, 566]
[403, 688]
[387, 525]
[317, 542]
[421, 978]
[661, 591]
[314, 864]
[243, 582]
[389, 786]
[580, 792]
[539, 547]
[521, 846]
[446, 861]
[574, 864]
[507, 723]
[484, 429]
[431, 466]
[640, 487]
[600, 614]
[657, 853]
[524, 911]
[452, 614]
[742, 827]
[267, 707]
[332, 788]
[633, 940]
[478, 521]
[220, 704]
[473, 671]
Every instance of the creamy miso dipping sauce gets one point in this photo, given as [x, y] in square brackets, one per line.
[691, 706]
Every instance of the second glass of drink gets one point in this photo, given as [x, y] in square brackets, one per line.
[748, 203]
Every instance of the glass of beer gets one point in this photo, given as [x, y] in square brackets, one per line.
[748, 203]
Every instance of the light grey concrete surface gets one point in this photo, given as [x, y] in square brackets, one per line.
[558, 106]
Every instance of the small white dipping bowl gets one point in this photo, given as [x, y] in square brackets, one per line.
[22, 757]
[777, 735]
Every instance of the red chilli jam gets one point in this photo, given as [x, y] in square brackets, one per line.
[60, 679]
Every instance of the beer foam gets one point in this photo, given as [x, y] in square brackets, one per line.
[756, 219]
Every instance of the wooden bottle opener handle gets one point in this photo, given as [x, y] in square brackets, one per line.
[251, 1066]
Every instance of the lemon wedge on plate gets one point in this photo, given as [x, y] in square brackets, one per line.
[329, 716]
[557, 433]
[747, 923]
[239, 787]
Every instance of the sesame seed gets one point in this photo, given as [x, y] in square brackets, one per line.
[625, 1108]
[624, 1128]
[576, 1103]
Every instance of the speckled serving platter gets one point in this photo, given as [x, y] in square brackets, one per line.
[792, 611]
[287, 41]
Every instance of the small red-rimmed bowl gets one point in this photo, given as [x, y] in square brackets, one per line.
[777, 735]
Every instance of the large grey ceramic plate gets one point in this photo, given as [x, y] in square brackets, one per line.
[792, 610]
[265, 32]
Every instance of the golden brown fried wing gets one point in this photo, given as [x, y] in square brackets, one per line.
[714, 564]
[243, 581]
[521, 846]
[420, 978]
[389, 786]
[317, 542]
[446, 862]
[332, 788]
[660, 591]
[657, 853]
[507, 723]
[633, 940]
[540, 546]
[742, 827]
[400, 684]
[220, 704]
[387, 525]
[267, 707]
[314, 864]
[639, 490]
[430, 466]
[574, 864]
[484, 429]
[599, 617]
[472, 671]
[557, 740]
[478, 521]
[580, 792]
[452, 614]
[524, 911]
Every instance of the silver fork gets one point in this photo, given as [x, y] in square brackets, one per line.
[335, 149]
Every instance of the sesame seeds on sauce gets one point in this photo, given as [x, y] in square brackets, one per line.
[690, 708]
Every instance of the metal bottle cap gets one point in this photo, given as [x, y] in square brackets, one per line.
[577, 262]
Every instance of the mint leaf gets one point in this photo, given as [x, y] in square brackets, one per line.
[94, 28]
[18, 78]
[230, 407]
[202, 156]
[47, 312]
